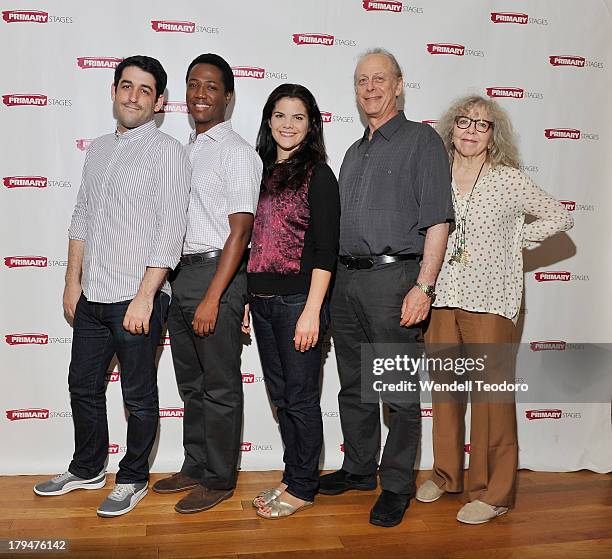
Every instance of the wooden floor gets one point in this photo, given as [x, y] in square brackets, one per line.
[558, 516]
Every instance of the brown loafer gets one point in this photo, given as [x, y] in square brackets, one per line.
[174, 484]
[201, 498]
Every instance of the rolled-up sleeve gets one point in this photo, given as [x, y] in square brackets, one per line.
[173, 174]
[242, 169]
[324, 202]
[551, 216]
[78, 224]
[433, 183]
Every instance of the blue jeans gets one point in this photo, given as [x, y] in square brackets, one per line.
[98, 335]
[292, 379]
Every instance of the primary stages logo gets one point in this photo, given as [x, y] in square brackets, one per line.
[426, 412]
[34, 182]
[33, 100]
[173, 26]
[513, 93]
[33, 16]
[249, 447]
[25, 261]
[249, 72]
[572, 206]
[559, 276]
[174, 107]
[562, 133]
[322, 39]
[452, 49]
[95, 62]
[29, 338]
[171, 412]
[25, 182]
[32, 413]
[390, 6]
[431, 122]
[516, 18]
[371, 6]
[25, 100]
[328, 117]
[573, 61]
[114, 448]
[168, 26]
[557, 345]
[257, 73]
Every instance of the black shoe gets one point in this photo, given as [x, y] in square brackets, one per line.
[341, 481]
[389, 509]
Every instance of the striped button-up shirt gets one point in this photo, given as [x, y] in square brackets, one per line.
[226, 179]
[130, 210]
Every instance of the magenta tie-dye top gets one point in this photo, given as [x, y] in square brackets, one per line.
[283, 217]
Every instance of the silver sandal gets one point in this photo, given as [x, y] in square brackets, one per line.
[266, 497]
[281, 509]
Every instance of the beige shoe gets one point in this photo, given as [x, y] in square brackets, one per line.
[478, 512]
[429, 492]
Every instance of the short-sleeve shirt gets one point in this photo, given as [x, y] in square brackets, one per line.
[392, 188]
[225, 179]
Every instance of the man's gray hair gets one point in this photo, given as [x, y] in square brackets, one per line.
[397, 70]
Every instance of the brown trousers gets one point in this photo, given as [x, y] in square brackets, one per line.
[493, 437]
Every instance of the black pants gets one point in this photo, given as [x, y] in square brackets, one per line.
[292, 380]
[366, 308]
[208, 375]
[98, 335]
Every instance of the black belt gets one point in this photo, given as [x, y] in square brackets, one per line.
[366, 262]
[188, 259]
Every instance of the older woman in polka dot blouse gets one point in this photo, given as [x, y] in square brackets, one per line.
[479, 293]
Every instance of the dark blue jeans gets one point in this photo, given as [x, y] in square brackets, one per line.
[292, 379]
[98, 335]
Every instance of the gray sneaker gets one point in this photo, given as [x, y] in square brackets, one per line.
[122, 499]
[66, 482]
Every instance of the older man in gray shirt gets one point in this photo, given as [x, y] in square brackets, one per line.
[395, 207]
[126, 233]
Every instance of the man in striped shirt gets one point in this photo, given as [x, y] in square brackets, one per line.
[209, 290]
[126, 233]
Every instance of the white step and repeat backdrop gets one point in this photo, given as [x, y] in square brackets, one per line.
[548, 62]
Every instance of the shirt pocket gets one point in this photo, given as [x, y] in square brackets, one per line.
[388, 186]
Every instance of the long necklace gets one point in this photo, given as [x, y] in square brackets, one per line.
[460, 254]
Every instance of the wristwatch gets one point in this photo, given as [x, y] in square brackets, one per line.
[429, 290]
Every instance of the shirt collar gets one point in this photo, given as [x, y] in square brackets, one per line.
[136, 133]
[216, 133]
[388, 128]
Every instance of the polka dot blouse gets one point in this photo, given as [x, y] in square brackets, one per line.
[496, 233]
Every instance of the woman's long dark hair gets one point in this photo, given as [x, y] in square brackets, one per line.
[291, 173]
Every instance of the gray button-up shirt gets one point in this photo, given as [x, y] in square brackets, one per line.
[130, 210]
[392, 188]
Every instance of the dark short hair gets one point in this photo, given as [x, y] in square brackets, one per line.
[219, 62]
[146, 64]
[312, 150]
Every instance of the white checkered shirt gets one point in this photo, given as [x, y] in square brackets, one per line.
[226, 178]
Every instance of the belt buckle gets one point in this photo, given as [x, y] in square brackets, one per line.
[367, 264]
[352, 263]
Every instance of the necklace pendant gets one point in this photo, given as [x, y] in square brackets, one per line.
[461, 256]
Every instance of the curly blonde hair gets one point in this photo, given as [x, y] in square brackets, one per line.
[504, 150]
